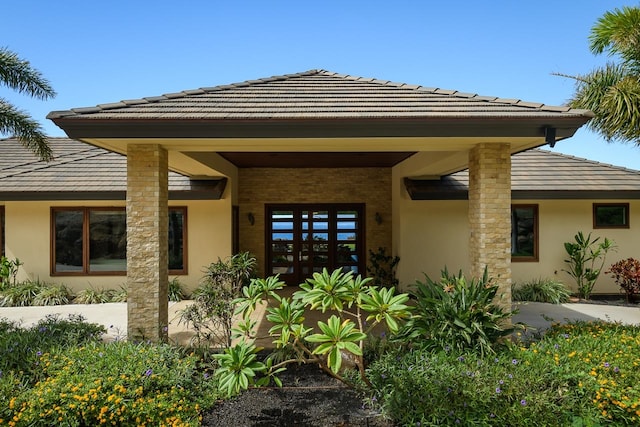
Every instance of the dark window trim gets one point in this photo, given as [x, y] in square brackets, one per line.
[536, 234]
[626, 218]
[85, 241]
[2, 220]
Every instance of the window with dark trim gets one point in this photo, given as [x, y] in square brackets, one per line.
[524, 233]
[1, 231]
[93, 241]
[611, 215]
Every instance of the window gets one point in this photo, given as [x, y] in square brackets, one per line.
[524, 232]
[611, 215]
[93, 241]
[1, 231]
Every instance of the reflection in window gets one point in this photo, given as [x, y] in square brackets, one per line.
[524, 233]
[94, 241]
[611, 215]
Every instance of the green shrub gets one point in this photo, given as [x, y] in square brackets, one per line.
[175, 291]
[92, 295]
[8, 271]
[586, 259]
[20, 294]
[21, 347]
[119, 383]
[457, 313]
[382, 268]
[211, 314]
[581, 374]
[540, 290]
[53, 294]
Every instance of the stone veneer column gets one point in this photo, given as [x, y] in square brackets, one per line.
[490, 215]
[147, 242]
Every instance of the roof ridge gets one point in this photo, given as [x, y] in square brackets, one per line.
[584, 159]
[39, 165]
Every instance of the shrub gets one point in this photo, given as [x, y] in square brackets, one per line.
[541, 290]
[211, 314]
[458, 313]
[21, 347]
[175, 291]
[626, 274]
[52, 295]
[21, 294]
[119, 383]
[577, 374]
[91, 295]
[586, 259]
[8, 271]
[355, 303]
[382, 268]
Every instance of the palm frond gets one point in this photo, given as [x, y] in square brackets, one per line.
[27, 130]
[17, 74]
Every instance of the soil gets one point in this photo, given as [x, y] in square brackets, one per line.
[309, 397]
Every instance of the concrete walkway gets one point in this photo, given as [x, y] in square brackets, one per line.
[113, 316]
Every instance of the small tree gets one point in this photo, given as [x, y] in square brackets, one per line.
[586, 259]
[211, 314]
[358, 307]
[626, 274]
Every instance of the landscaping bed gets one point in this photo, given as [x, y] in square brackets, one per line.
[309, 397]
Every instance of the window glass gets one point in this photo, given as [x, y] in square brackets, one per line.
[610, 215]
[94, 241]
[176, 239]
[524, 232]
[68, 241]
[107, 240]
[1, 230]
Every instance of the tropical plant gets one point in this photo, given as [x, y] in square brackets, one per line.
[175, 292]
[626, 274]
[8, 271]
[540, 290]
[17, 74]
[382, 268]
[21, 294]
[612, 91]
[458, 313]
[92, 295]
[211, 315]
[586, 259]
[358, 309]
[52, 294]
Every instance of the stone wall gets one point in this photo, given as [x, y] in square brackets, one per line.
[260, 186]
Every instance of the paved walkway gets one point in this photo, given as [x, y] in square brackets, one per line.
[113, 316]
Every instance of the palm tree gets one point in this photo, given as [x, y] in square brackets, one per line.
[17, 74]
[612, 92]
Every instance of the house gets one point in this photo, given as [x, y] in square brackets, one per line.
[313, 170]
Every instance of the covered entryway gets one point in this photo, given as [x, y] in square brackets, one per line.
[303, 239]
[264, 135]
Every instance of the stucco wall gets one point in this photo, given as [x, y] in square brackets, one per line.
[27, 226]
[260, 186]
[436, 233]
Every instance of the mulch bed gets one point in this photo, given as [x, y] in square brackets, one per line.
[309, 397]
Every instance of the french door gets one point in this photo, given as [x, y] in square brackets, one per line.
[303, 239]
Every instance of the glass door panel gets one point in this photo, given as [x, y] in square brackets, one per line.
[303, 239]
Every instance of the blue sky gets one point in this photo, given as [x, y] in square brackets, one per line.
[98, 52]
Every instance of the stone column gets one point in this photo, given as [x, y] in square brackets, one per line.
[147, 242]
[490, 215]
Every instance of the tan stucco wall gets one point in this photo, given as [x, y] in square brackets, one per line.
[435, 234]
[260, 186]
[27, 226]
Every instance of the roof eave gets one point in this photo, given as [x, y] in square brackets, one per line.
[435, 127]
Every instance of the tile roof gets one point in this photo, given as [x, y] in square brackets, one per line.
[77, 167]
[540, 173]
[315, 94]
